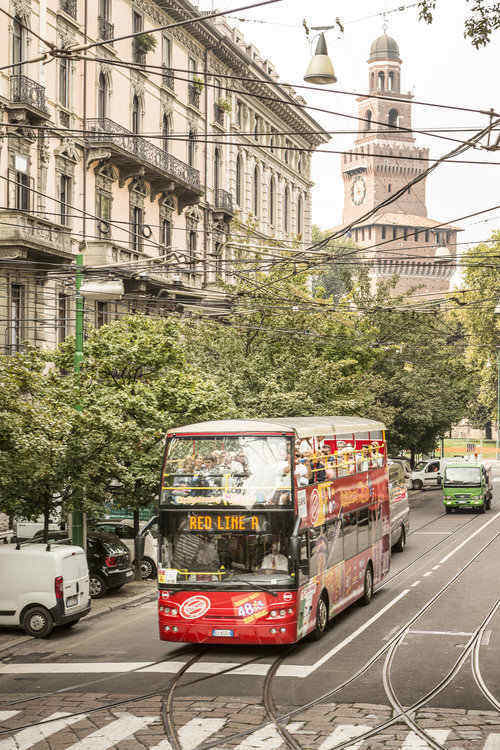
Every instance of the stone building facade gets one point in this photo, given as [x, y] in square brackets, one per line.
[383, 159]
[142, 169]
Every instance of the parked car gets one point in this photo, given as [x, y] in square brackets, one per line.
[406, 468]
[428, 473]
[108, 560]
[41, 586]
[399, 507]
[124, 530]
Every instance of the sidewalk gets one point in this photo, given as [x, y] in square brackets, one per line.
[199, 720]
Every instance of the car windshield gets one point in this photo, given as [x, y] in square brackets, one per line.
[421, 465]
[221, 547]
[463, 475]
[228, 470]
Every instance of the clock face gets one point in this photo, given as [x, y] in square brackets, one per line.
[358, 191]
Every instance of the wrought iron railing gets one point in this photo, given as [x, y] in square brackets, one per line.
[219, 114]
[106, 28]
[25, 91]
[168, 78]
[139, 56]
[105, 131]
[21, 227]
[69, 7]
[224, 200]
[194, 95]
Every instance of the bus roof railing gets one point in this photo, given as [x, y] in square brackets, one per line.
[303, 427]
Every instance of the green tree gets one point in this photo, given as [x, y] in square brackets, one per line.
[338, 274]
[49, 452]
[483, 20]
[135, 369]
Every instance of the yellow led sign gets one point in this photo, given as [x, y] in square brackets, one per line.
[225, 522]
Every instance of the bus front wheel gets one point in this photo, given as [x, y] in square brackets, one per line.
[368, 587]
[321, 618]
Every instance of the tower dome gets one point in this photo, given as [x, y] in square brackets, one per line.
[384, 48]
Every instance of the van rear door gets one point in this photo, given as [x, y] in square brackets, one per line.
[75, 582]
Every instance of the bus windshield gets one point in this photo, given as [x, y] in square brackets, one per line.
[218, 548]
[235, 470]
[463, 475]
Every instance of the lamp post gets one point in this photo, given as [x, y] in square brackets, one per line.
[320, 69]
[497, 312]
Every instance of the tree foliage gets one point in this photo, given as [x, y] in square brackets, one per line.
[483, 20]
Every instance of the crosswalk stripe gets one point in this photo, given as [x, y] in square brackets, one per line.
[493, 742]
[193, 733]
[344, 732]
[6, 715]
[118, 730]
[26, 738]
[267, 738]
[414, 742]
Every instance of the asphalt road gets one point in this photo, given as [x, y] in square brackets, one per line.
[438, 546]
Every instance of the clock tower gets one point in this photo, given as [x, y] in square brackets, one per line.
[384, 131]
[400, 239]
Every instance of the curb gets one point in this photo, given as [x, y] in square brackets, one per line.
[136, 600]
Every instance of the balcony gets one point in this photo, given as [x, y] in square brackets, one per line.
[138, 54]
[105, 28]
[219, 114]
[134, 156]
[194, 96]
[69, 7]
[29, 96]
[168, 78]
[224, 202]
[23, 235]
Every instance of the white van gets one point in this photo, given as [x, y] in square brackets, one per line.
[428, 473]
[42, 586]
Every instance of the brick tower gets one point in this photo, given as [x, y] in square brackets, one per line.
[384, 158]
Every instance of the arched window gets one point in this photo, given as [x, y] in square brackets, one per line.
[256, 189]
[368, 119]
[136, 115]
[300, 215]
[216, 170]
[102, 97]
[165, 131]
[381, 81]
[239, 180]
[390, 81]
[18, 41]
[286, 209]
[272, 201]
[393, 118]
[191, 148]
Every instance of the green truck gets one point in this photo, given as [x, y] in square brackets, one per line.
[466, 485]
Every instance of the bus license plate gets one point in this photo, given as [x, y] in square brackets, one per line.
[223, 633]
[71, 601]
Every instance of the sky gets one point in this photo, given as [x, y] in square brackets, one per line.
[439, 66]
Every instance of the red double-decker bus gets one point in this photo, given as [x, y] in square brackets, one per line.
[268, 528]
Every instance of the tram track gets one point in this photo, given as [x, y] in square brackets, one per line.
[386, 648]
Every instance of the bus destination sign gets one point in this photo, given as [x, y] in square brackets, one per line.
[223, 522]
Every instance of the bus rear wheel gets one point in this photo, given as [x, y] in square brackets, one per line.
[321, 618]
[368, 587]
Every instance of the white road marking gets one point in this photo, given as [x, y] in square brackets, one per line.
[435, 567]
[429, 573]
[427, 533]
[193, 733]
[485, 640]
[414, 742]
[415, 584]
[466, 541]
[493, 742]
[26, 738]
[344, 732]
[437, 632]
[111, 734]
[6, 715]
[267, 738]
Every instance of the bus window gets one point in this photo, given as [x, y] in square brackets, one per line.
[374, 523]
[318, 549]
[335, 543]
[350, 534]
[303, 559]
[363, 527]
